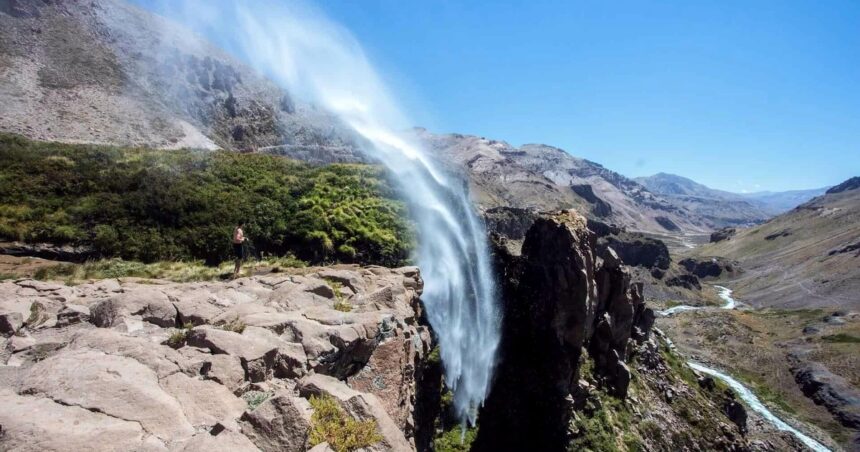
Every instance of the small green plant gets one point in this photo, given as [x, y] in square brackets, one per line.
[5, 276]
[179, 335]
[339, 303]
[235, 325]
[255, 398]
[342, 306]
[435, 356]
[331, 424]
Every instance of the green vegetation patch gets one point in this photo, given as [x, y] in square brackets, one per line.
[331, 424]
[148, 205]
[177, 271]
[456, 439]
[841, 337]
[178, 337]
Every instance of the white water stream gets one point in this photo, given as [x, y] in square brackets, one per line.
[723, 292]
[755, 404]
[745, 393]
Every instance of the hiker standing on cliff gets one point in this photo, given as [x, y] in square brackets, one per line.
[238, 247]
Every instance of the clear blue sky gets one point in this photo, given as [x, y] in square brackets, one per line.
[738, 95]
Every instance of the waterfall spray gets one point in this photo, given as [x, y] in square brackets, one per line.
[319, 60]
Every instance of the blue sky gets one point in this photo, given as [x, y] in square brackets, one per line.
[741, 96]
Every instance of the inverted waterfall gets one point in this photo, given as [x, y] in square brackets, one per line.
[314, 57]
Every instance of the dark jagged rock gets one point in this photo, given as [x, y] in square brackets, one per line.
[599, 207]
[846, 249]
[686, 281]
[639, 251]
[737, 414]
[829, 390]
[850, 184]
[723, 234]
[603, 229]
[667, 224]
[708, 267]
[778, 234]
[509, 222]
[67, 253]
[563, 296]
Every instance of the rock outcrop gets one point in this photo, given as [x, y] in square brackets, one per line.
[722, 234]
[830, 390]
[152, 365]
[713, 267]
[639, 251]
[577, 335]
[850, 184]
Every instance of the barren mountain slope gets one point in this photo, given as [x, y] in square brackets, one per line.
[725, 208]
[544, 177]
[106, 72]
[808, 257]
[719, 207]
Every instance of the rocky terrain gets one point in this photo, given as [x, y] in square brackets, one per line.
[581, 367]
[805, 258]
[151, 365]
[107, 72]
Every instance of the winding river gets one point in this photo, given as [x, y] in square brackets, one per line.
[749, 398]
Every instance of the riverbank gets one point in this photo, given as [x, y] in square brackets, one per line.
[761, 349]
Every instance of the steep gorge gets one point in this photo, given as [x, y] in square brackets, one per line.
[580, 365]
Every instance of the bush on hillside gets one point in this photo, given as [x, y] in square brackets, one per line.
[149, 205]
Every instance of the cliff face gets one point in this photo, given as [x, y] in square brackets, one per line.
[580, 364]
[104, 71]
[148, 365]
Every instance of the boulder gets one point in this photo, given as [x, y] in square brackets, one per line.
[37, 424]
[736, 413]
[162, 360]
[149, 304]
[205, 403]
[690, 282]
[637, 250]
[114, 385]
[224, 441]
[10, 322]
[281, 423]
[832, 391]
[257, 355]
[722, 234]
[71, 314]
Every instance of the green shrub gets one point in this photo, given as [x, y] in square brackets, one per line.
[179, 335]
[148, 205]
[841, 337]
[235, 325]
[455, 440]
[330, 424]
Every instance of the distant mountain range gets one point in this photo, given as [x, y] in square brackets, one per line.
[730, 209]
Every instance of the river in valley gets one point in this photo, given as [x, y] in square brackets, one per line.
[746, 394]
